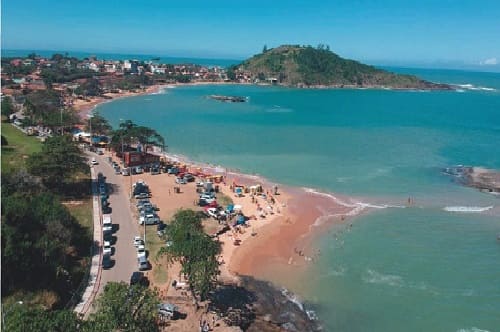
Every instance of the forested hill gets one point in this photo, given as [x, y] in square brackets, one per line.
[305, 66]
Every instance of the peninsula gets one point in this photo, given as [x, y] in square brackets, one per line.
[306, 66]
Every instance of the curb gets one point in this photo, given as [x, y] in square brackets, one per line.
[94, 279]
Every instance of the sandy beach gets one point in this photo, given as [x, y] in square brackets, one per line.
[282, 239]
[84, 107]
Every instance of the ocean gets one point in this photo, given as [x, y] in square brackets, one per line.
[433, 266]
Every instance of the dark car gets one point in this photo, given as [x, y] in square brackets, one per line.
[106, 209]
[189, 177]
[139, 278]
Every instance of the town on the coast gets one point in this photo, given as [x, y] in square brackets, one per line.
[167, 227]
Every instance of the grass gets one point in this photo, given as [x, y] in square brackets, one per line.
[19, 148]
[153, 245]
[82, 211]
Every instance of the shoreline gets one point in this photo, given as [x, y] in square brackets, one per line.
[304, 213]
[84, 109]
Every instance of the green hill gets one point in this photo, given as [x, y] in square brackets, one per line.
[305, 66]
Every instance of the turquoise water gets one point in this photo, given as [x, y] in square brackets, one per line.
[400, 269]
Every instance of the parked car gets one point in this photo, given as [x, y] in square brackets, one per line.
[189, 177]
[94, 162]
[106, 209]
[118, 171]
[125, 172]
[141, 251]
[138, 241]
[139, 170]
[139, 278]
[168, 310]
[142, 195]
[207, 195]
[143, 264]
[207, 202]
[211, 212]
[155, 170]
[106, 249]
[173, 170]
[106, 261]
[107, 229]
[180, 180]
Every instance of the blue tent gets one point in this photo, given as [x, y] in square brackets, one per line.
[230, 208]
[240, 220]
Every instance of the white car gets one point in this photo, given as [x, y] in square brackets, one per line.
[107, 229]
[106, 249]
[138, 241]
[94, 162]
[141, 251]
[212, 212]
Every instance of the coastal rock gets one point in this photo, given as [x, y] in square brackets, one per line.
[486, 180]
[256, 305]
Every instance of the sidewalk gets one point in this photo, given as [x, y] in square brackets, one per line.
[94, 279]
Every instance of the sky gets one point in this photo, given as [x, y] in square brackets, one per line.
[391, 32]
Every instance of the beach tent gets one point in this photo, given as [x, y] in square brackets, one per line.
[230, 208]
[238, 191]
[237, 207]
[240, 220]
[256, 189]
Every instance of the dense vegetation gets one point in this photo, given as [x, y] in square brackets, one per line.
[45, 107]
[119, 308]
[58, 161]
[307, 66]
[195, 250]
[44, 247]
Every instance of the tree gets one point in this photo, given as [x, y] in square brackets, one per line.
[98, 124]
[20, 317]
[130, 133]
[7, 107]
[41, 243]
[231, 73]
[126, 308]
[195, 250]
[58, 161]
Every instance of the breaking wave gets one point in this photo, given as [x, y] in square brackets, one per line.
[467, 209]
[473, 87]
[472, 329]
[374, 277]
[294, 299]
[357, 207]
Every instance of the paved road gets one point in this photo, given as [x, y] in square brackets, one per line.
[125, 257]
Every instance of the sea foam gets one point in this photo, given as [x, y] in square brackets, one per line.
[467, 209]
[472, 329]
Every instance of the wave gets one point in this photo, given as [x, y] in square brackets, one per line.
[357, 207]
[472, 329]
[279, 109]
[473, 87]
[374, 277]
[467, 209]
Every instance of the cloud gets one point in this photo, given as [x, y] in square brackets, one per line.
[489, 62]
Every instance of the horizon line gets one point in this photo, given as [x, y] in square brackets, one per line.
[428, 64]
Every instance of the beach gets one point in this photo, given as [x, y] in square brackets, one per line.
[279, 233]
[346, 147]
